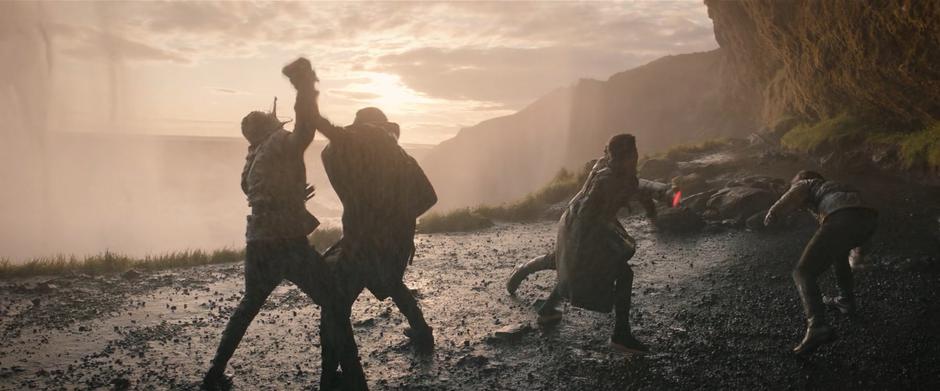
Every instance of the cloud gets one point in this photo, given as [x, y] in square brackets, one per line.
[355, 95]
[228, 91]
[89, 43]
[500, 74]
[441, 63]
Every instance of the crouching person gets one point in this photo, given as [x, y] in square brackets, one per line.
[846, 223]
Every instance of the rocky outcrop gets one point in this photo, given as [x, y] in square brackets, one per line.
[812, 59]
[674, 99]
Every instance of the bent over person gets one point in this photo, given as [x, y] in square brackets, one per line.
[274, 180]
[846, 224]
[592, 247]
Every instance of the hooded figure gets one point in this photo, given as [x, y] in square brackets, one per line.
[592, 248]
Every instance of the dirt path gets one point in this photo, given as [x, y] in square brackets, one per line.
[718, 309]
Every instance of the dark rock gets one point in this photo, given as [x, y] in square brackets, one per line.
[696, 202]
[679, 220]
[775, 185]
[756, 221]
[472, 360]
[365, 322]
[120, 384]
[131, 275]
[691, 184]
[739, 202]
[509, 332]
[660, 169]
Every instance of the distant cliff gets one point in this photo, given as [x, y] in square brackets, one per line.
[674, 99]
[813, 59]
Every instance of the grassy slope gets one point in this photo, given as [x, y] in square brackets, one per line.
[531, 207]
[918, 149]
[110, 262]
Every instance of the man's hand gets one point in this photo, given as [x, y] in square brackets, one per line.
[306, 110]
[300, 73]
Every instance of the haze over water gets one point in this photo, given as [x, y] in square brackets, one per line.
[90, 92]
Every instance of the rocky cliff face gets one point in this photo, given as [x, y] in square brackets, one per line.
[813, 59]
[672, 100]
[856, 67]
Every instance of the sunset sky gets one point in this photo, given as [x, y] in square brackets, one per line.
[195, 68]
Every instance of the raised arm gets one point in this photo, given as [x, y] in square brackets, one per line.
[306, 110]
[329, 130]
[792, 199]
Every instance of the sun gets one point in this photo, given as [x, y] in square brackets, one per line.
[392, 95]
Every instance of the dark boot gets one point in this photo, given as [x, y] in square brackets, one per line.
[628, 344]
[623, 339]
[423, 339]
[216, 380]
[548, 312]
[817, 334]
[845, 305]
[420, 333]
[519, 274]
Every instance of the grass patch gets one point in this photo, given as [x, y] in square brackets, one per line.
[110, 262]
[322, 238]
[921, 148]
[684, 151]
[531, 207]
[808, 138]
[915, 149]
[460, 220]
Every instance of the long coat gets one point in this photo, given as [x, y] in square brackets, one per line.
[383, 191]
[593, 248]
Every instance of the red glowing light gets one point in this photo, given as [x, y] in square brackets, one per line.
[676, 199]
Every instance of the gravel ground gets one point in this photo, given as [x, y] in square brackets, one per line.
[718, 309]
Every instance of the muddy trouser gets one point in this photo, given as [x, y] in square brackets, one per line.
[622, 295]
[267, 263]
[544, 262]
[352, 287]
[838, 235]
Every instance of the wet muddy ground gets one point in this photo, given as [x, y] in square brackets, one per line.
[718, 308]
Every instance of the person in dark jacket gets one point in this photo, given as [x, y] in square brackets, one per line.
[383, 191]
[846, 223]
[592, 247]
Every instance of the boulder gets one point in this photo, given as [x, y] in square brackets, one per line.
[698, 202]
[740, 202]
[756, 221]
[679, 220]
[510, 332]
[658, 169]
[775, 185]
[691, 183]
